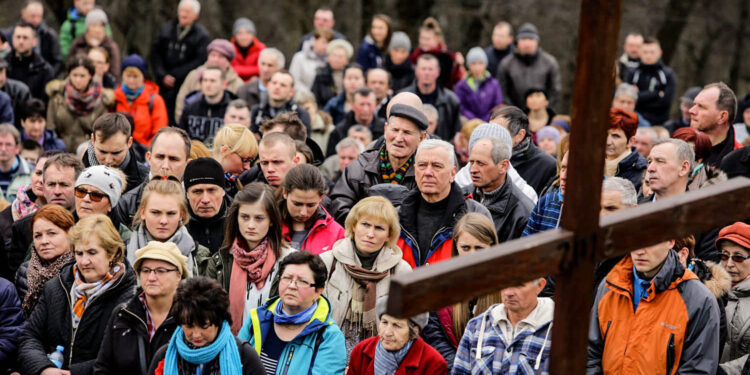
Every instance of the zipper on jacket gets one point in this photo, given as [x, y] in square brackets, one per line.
[670, 353]
[606, 331]
[288, 360]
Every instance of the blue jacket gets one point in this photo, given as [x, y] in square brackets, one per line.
[320, 344]
[51, 142]
[369, 54]
[546, 214]
[11, 323]
[335, 107]
[632, 168]
[6, 109]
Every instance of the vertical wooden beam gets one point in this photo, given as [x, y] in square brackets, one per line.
[593, 86]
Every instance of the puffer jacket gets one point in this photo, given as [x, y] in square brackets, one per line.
[448, 108]
[318, 349]
[50, 324]
[22, 281]
[11, 321]
[246, 66]
[126, 342]
[509, 207]
[322, 234]
[737, 347]
[72, 129]
[192, 84]
[675, 329]
[148, 110]
[339, 284]
[421, 359]
[356, 181]
[442, 242]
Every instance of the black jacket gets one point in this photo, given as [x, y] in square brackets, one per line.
[33, 71]
[254, 174]
[356, 180]
[19, 94]
[177, 57]
[126, 337]
[19, 243]
[377, 127]
[136, 172]
[264, 111]
[21, 280]
[201, 120]
[12, 322]
[494, 56]
[209, 232]
[251, 364]
[48, 47]
[656, 85]
[509, 207]
[402, 75]
[632, 168]
[737, 163]
[127, 206]
[534, 165]
[722, 149]
[447, 106]
[50, 324]
[323, 86]
[6, 228]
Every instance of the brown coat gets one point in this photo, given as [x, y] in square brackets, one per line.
[72, 129]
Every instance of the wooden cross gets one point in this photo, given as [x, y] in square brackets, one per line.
[572, 251]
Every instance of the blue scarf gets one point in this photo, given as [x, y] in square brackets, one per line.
[386, 362]
[281, 317]
[130, 94]
[224, 346]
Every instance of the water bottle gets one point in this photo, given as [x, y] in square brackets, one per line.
[57, 356]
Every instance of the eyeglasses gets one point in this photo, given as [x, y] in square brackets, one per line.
[288, 280]
[95, 196]
[245, 160]
[166, 177]
[157, 271]
[737, 258]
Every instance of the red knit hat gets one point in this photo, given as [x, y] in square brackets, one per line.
[738, 233]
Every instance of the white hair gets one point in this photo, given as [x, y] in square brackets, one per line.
[350, 142]
[626, 89]
[438, 143]
[628, 196]
[280, 60]
[194, 3]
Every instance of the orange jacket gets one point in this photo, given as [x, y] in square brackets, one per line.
[674, 330]
[148, 111]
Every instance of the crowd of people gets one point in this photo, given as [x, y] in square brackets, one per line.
[224, 209]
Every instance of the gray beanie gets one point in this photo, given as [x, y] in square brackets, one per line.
[96, 15]
[490, 129]
[528, 31]
[476, 54]
[399, 39]
[419, 320]
[103, 178]
[243, 23]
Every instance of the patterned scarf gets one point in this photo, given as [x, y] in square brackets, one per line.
[23, 206]
[361, 315]
[248, 266]
[39, 272]
[82, 103]
[387, 173]
[82, 292]
[387, 362]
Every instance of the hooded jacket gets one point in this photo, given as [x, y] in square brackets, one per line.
[246, 65]
[656, 85]
[518, 73]
[148, 110]
[448, 109]
[319, 349]
[320, 236]
[674, 329]
[509, 207]
[441, 245]
[421, 359]
[72, 129]
[50, 324]
[201, 119]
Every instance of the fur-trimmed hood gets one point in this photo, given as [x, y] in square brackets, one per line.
[713, 276]
[57, 87]
[706, 176]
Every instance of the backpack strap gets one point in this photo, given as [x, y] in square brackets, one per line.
[318, 341]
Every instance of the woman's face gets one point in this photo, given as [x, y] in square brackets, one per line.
[133, 79]
[353, 79]
[92, 260]
[428, 40]
[320, 45]
[370, 234]
[200, 336]
[738, 271]
[467, 244]
[162, 216]
[37, 183]
[80, 78]
[87, 205]
[234, 163]
[296, 288]
[50, 241]
[100, 62]
[548, 145]
[243, 38]
[253, 222]
[536, 101]
[379, 31]
[394, 333]
[337, 59]
[159, 278]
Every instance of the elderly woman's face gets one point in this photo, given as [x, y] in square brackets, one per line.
[738, 271]
[394, 333]
[338, 59]
[92, 259]
[200, 336]
[91, 200]
[297, 289]
[370, 234]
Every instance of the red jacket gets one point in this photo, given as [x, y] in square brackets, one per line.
[322, 235]
[148, 110]
[421, 359]
[247, 66]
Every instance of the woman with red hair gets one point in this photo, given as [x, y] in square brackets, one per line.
[622, 160]
[703, 174]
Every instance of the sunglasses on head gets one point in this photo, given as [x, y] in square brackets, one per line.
[166, 177]
[93, 195]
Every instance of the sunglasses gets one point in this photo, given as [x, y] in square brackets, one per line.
[736, 258]
[93, 195]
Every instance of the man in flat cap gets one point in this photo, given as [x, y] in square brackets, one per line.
[391, 163]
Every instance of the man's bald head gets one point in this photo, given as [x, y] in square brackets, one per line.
[408, 98]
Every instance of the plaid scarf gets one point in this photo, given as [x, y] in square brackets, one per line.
[387, 173]
[82, 292]
[362, 316]
[82, 103]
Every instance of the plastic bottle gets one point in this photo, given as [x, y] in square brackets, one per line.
[57, 356]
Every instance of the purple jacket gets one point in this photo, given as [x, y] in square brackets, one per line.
[479, 104]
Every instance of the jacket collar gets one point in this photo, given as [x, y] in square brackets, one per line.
[344, 252]
[221, 215]
[499, 200]
[671, 274]
[454, 207]
[542, 313]
[320, 318]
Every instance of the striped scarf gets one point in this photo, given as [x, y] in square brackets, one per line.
[82, 292]
[387, 173]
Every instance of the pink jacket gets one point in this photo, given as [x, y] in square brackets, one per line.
[322, 235]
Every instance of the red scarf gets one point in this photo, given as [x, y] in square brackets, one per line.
[83, 103]
[248, 266]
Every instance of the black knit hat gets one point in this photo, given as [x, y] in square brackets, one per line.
[203, 171]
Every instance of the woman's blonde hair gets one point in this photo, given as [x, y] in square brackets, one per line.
[378, 208]
[199, 150]
[481, 228]
[100, 226]
[237, 138]
[164, 186]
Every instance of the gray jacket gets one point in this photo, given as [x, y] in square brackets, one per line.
[517, 74]
[737, 347]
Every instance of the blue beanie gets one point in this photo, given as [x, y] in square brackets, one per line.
[135, 61]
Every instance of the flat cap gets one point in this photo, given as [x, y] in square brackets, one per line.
[410, 113]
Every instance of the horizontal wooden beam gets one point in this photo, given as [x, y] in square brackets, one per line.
[459, 279]
[675, 217]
